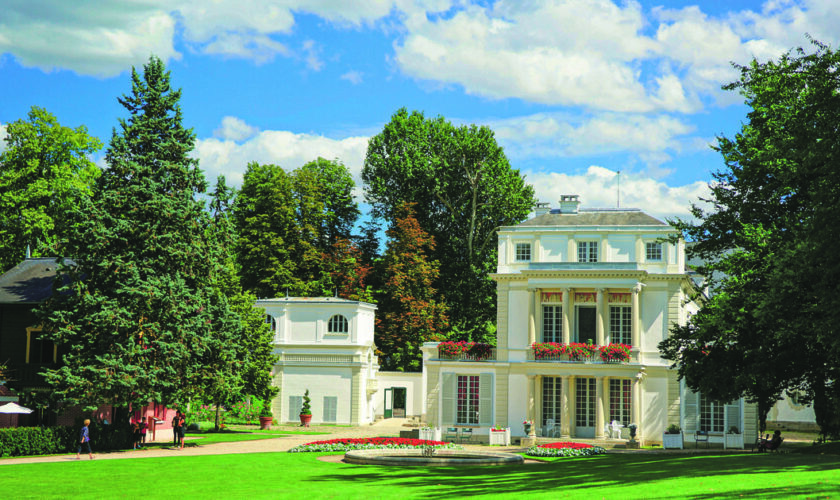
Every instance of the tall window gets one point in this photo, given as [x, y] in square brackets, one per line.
[586, 323]
[585, 402]
[653, 251]
[588, 251]
[620, 324]
[295, 405]
[338, 324]
[467, 409]
[39, 350]
[620, 400]
[552, 400]
[711, 415]
[523, 252]
[552, 323]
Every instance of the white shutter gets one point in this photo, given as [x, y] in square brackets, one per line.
[485, 399]
[330, 408]
[691, 409]
[448, 391]
[733, 416]
[295, 405]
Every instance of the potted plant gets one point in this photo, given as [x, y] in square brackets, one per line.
[527, 425]
[265, 416]
[672, 438]
[305, 410]
[733, 438]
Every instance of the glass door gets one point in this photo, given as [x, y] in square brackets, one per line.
[585, 407]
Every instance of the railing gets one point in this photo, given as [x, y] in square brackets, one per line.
[468, 356]
[579, 353]
[565, 358]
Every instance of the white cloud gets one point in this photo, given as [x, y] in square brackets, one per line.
[224, 156]
[234, 129]
[598, 188]
[557, 134]
[353, 77]
[311, 52]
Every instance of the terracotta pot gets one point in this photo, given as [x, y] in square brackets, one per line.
[265, 423]
[304, 420]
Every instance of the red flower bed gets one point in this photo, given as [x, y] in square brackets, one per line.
[573, 446]
[381, 441]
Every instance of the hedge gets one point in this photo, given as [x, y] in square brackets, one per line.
[23, 441]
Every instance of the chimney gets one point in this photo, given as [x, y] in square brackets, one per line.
[569, 203]
[541, 208]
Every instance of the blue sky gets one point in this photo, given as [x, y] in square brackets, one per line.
[574, 89]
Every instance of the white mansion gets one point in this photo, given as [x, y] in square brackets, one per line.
[567, 279]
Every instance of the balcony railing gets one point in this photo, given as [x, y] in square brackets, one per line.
[554, 352]
[468, 356]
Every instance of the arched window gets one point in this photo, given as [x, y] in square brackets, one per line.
[269, 319]
[338, 324]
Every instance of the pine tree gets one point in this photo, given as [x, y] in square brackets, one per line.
[136, 314]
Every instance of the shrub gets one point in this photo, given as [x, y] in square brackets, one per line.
[564, 450]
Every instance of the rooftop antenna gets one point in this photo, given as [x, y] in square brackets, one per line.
[618, 189]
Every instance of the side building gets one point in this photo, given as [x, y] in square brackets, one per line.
[571, 282]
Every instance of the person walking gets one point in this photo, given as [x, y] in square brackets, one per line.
[182, 427]
[176, 433]
[84, 440]
[143, 427]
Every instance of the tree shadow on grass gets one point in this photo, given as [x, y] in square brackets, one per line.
[582, 474]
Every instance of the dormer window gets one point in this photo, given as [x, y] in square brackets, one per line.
[269, 320]
[653, 252]
[523, 252]
[338, 324]
[587, 251]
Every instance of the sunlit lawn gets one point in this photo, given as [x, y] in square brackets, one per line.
[290, 475]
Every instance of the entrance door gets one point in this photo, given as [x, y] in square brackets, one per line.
[399, 402]
[552, 406]
[389, 402]
[585, 407]
[585, 322]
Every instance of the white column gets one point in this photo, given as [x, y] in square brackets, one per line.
[600, 305]
[572, 406]
[532, 327]
[636, 405]
[635, 314]
[538, 409]
[537, 314]
[568, 304]
[565, 414]
[531, 406]
[599, 407]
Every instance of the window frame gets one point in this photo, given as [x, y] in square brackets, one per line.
[520, 256]
[552, 322]
[622, 321]
[338, 324]
[621, 400]
[653, 247]
[587, 251]
[467, 399]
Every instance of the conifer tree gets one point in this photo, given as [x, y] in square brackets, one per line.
[136, 314]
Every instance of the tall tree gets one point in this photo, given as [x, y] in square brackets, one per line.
[137, 311]
[408, 314]
[770, 244]
[44, 169]
[464, 189]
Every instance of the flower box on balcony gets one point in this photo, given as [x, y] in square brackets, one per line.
[500, 437]
[467, 351]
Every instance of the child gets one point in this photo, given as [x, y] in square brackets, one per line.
[143, 427]
[135, 434]
[84, 440]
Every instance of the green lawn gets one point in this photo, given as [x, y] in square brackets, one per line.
[291, 475]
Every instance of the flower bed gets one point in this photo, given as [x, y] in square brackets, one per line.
[476, 350]
[577, 351]
[564, 450]
[368, 444]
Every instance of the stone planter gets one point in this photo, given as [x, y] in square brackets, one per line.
[430, 434]
[265, 423]
[733, 441]
[672, 441]
[500, 438]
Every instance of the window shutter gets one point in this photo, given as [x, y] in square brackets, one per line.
[295, 405]
[733, 416]
[330, 408]
[448, 406]
[485, 399]
[691, 408]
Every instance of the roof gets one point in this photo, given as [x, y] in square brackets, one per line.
[595, 217]
[310, 300]
[29, 282]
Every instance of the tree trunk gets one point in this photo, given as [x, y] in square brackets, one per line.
[218, 415]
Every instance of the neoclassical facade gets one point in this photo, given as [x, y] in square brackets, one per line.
[573, 278]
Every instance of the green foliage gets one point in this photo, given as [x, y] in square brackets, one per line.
[140, 314]
[44, 171]
[769, 246]
[290, 225]
[408, 313]
[464, 189]
[306, 408]
[26, 441]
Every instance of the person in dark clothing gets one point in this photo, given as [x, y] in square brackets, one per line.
[84, 440]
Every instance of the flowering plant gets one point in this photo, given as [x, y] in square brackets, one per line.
[477, 350]
[498, 429]
[578, 351]
[615, 352]
[564, 449]
[369, 444]
[528, 422]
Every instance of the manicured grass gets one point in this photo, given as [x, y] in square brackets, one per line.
[291, 475]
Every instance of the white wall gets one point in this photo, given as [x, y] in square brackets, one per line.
[517, 403]
[321, 381]
[654, 408]
[654, 304]
[554, 248]
[413, 382]
[518, 319]
[622, 248]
